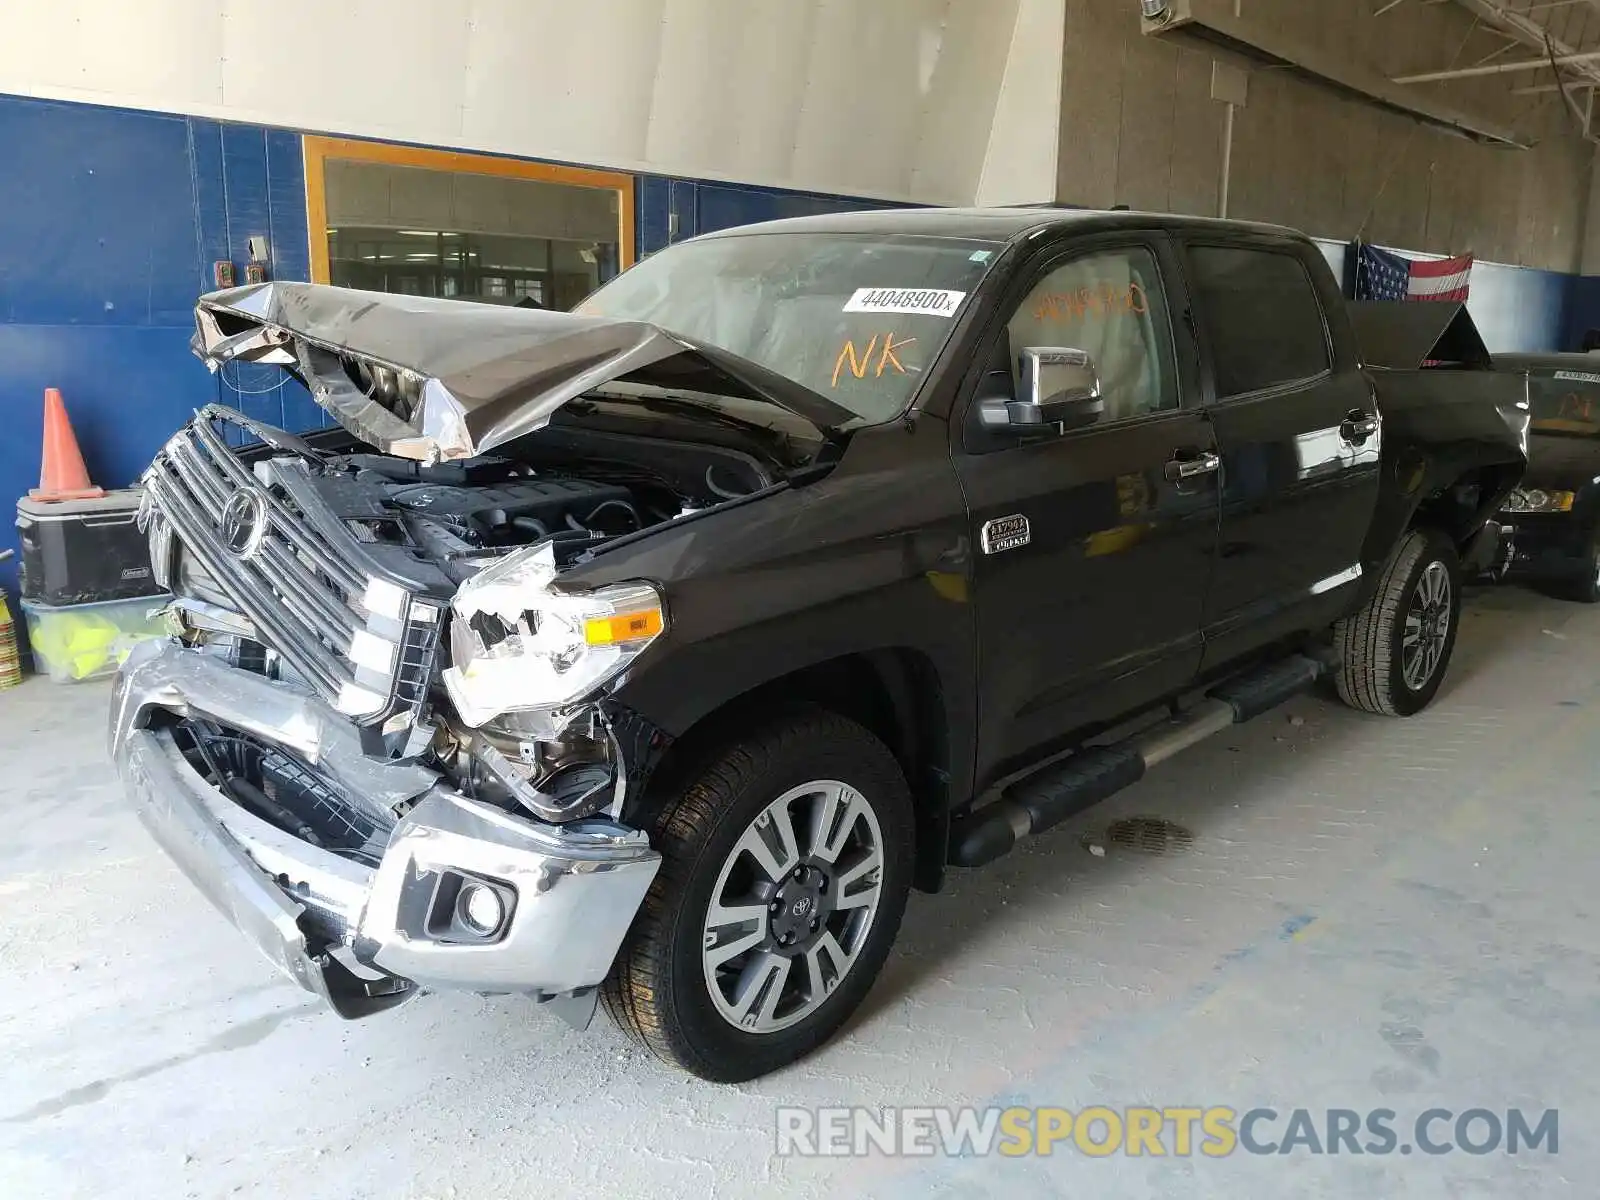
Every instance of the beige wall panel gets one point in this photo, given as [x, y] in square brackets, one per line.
[1145, 139]
[1092, 79]
[1019, 165]
[1197, 123]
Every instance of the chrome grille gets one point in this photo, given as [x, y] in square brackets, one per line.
[364, 640]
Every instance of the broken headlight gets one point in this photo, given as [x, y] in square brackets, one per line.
[517, 645]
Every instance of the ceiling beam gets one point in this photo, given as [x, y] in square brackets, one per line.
[1210, 23]
[1523, 64]
[1496, 15]
[1539, 89]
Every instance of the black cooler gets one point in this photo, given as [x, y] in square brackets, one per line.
[83, 551]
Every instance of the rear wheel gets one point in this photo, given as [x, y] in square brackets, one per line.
[1395, 650]
[785, 869]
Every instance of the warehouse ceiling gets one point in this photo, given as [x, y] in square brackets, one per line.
[1478, 80]
[1550, 44]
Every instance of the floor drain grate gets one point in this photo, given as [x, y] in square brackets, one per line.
[1149, 835]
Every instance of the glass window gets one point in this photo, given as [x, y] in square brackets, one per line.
[857, 318]
[497, 239]
[1110, 305]
[1262, 317]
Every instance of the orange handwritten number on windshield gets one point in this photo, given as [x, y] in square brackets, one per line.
[859, 364]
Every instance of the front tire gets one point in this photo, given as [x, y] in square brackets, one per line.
[1394, 652]
[1586, 588]
[786, 864]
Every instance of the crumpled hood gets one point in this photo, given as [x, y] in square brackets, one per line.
[432, 379]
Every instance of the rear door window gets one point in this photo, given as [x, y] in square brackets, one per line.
[1261, 316]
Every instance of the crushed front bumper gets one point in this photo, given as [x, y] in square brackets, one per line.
[366, 938]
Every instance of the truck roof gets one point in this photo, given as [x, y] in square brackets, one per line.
[998, 224]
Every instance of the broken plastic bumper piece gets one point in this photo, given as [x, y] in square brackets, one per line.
[463, 895]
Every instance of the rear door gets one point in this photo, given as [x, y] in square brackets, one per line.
[1299, 434]
[1093, 547]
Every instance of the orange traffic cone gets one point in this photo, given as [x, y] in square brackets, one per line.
[62, 475]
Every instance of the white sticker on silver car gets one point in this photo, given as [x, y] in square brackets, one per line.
[1006, 533]
[925, 302]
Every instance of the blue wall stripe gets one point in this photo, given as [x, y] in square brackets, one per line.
[286, 205]
[210, 203]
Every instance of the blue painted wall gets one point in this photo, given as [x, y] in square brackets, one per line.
[1583, 309]
[109, 223]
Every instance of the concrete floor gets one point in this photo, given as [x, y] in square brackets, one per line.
[1372, 914]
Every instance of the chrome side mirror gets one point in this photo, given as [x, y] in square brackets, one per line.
[1060, 388]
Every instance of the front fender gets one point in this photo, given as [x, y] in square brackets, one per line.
[875, 557]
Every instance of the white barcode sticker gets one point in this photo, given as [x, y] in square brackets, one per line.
[925, 302]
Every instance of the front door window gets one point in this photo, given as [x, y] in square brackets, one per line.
[1111, 305]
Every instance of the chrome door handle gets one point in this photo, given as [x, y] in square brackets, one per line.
[1358, 426]
[1188, 468]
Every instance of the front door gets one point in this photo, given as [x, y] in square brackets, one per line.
[1298, 430]
[1093, 546]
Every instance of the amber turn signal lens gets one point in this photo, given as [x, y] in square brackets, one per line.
[622, 627]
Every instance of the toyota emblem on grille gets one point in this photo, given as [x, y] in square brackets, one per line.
[244, 523]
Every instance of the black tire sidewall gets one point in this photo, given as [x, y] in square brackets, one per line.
[1406, 700]
[868, 767]
[1587, 589]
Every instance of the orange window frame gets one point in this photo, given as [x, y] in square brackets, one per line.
[318, 150]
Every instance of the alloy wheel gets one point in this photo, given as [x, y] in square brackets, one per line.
[1427, 626]
[792, 906]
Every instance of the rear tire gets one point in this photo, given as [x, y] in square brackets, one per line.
[786, 864]
[1394, 652]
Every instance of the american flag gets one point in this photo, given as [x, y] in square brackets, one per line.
[1383, 275]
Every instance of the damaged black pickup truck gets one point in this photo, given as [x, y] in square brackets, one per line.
[650, 654]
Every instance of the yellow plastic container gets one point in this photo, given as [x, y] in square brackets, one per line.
[10, 659]
[78, 642]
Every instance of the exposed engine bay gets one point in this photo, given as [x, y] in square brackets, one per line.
[477, 541]
[459, 515]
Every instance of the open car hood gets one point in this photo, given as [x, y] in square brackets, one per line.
[432, 379]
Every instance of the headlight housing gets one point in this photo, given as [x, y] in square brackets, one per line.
[516, 645]
[1533, 500]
